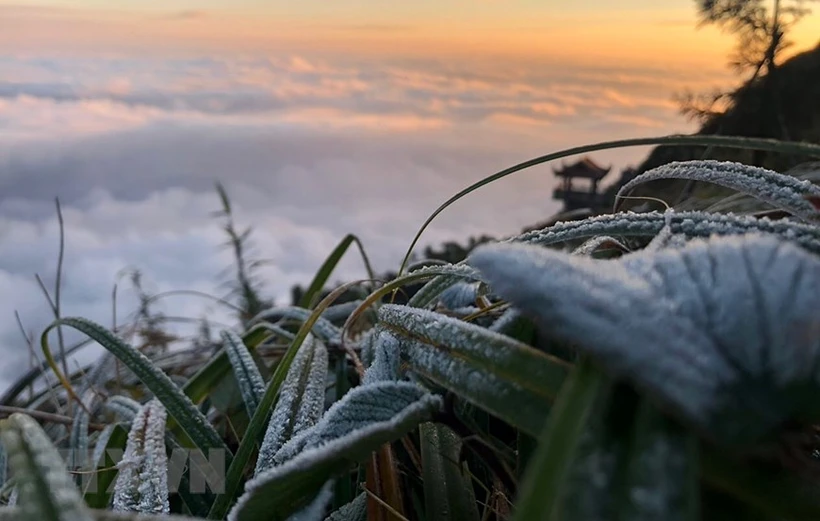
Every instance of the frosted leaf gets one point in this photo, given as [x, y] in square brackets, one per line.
[78, 439]
[102, 442]
[723, 332]
[142, 480]
[459, 295]
[323, 328]
[781, 191]
[248, 378]
[689, 224]
[592, 245]
[43, 484]
[340, 312]
[363, 420]
[13, 497]
[491, 373]
[356, 510]
[123, 406]
[3, 462]
[301, 400]
[367, 345]
[386, 358]
[446, 276]
[366, 405]
[315, 511]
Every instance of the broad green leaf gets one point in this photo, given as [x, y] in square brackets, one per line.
[142, 481]
[722, 333]
[301, 400]
[661, 480]
[323, 275]
[594, 482]
[322, 327]
[488, 369]
[550, 467]
[781, 191]
[446, 493]
[46, 491]
[245, 371]
[363, 420]
[179, 406]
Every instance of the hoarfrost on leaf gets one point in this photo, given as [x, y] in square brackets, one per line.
[142, 481]
[301, 400]
[386, 358]
[781, 191]
[356, 510]
[723, 332]
[250, 382]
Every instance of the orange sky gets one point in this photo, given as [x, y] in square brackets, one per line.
[641, 35]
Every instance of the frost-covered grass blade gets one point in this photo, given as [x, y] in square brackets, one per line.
[365, 419]
[301, 400]
[142, 481]
[781, 191]
[46, 491]
[486, 368]
[245, 371]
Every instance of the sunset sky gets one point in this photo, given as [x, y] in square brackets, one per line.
[320, 117]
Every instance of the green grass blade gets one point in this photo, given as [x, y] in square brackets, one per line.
[256, 427]
[311, 295]
[547, 472]
[47, 492]
[446, 495]
[770, 145]
[179, 406]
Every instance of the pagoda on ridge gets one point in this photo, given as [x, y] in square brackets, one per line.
[577, 197]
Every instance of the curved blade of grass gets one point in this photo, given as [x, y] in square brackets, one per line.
[488, 369]
[96, 494]
[456, 271]
[322, 328]
[247, 374]
[770, 145]
[47, 492]
[446, 495]
[781, 191]
[199, 386]
[320, 279]
[256, 427]
[78, 439]
[179, 406]
[558, 444]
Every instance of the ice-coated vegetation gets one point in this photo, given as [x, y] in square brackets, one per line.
[633, 366]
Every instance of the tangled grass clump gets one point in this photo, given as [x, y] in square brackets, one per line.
[660, 366]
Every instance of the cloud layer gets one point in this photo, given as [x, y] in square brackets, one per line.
[309, 149]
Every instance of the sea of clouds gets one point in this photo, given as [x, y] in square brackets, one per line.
[308, 148]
